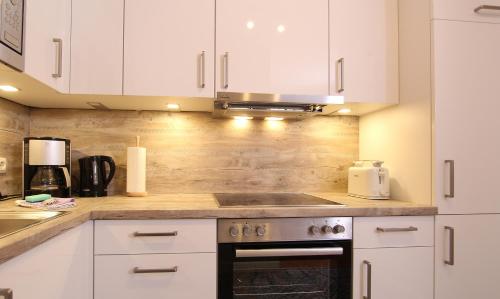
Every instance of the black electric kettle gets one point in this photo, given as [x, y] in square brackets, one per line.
[93, 178]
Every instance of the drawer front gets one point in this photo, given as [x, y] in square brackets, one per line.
[404, 231]
[155, 236]
[463, 10]
[196, 276]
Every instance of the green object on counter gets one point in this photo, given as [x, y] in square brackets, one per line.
[38, 197]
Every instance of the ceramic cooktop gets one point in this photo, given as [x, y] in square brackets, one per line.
[238, 200]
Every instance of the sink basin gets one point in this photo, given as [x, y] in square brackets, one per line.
[12, 222]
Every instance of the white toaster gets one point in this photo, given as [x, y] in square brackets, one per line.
[368, 179]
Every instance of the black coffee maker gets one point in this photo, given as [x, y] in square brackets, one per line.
[46, 166]
[94, 179]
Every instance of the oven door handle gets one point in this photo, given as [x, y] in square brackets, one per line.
[277, 252]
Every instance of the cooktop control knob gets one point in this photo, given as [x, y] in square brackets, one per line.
[327, 229]
[338, 229]
[246, 230]
[260, 230]
[234, 231]
[314, 229]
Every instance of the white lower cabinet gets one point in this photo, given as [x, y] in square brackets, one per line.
[155, 259]
[60, 268]
[467, 256]
[184, 276]
[393, 257]
[396, 273]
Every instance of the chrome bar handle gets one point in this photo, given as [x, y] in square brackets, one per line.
[202, 83]
[340, 75]
[138, 270]
[488, 7]
[226, 70]
[368, 280]
[397, 229]
[278, 252]
[167, 234]
[452, 179]
[6, 294]
[59, 54]
[451, 260]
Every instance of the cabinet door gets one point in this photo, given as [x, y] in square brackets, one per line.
[48, 26]
[474, 269]
[466, 89]
[60, 268]
[364, 50]
[465, 10]
[185, 276]
[97, 47]
[276, 46]
[395, 273]
[169, 48]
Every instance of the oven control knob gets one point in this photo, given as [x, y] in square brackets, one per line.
[260, 230]
[327, 229]
[246, 230]
[234, 231]
[314, 229]
[338, 229]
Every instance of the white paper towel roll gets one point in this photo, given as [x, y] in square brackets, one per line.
[136, 171]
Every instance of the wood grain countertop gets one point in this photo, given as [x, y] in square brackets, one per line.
[175, 206]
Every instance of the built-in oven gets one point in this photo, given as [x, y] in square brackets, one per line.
[276, 258]
[12, 22]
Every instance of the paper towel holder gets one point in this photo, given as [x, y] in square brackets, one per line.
[136, 170]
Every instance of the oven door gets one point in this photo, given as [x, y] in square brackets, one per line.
[302, 270]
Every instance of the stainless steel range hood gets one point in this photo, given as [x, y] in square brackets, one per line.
[258, 105]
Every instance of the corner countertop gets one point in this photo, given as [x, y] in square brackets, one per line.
[175, 206]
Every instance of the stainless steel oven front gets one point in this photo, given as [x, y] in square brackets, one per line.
[12, 23]
[289, 258]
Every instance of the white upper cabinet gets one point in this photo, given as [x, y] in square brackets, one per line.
[466, 89]
[97, 47]
[169, 48]
[48, 26]
[275, 46]
[364, 50]
[467, 10]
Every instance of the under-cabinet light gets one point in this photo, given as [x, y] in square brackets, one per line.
[173, 106]
[8, 88]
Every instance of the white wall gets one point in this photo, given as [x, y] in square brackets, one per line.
[402, 135]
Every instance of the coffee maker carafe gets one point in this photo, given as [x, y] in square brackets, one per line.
[47, 166]
[94, 179]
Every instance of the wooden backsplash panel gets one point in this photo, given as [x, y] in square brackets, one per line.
[192, 152]
[14, 126]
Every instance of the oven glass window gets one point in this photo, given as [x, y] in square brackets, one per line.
[284, 279]
[301, 277]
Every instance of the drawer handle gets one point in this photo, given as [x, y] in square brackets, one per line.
[167, 234]
[138, 270]
[488, 7]
[396, 229]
